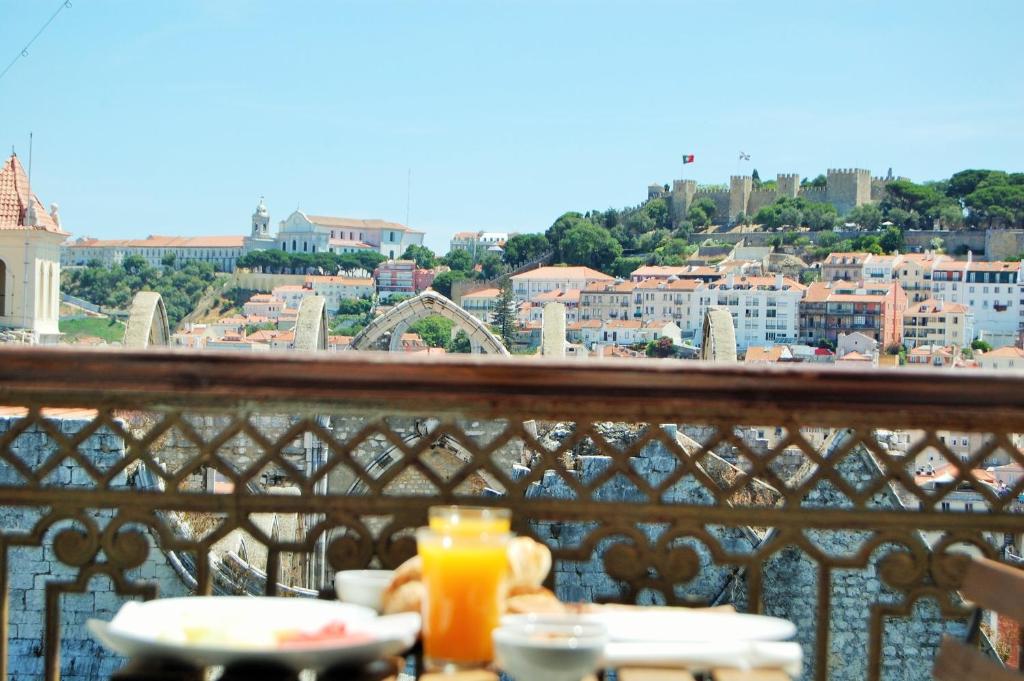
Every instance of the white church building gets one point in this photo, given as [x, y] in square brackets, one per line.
[30, 241]
[304, 233]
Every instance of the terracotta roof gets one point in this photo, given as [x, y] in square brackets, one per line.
[844, 292]
[757, 283]
[340, 340]
[837, 258]
[570, 296]
[585, 324]
[677, 285]
[483, 293]
[854, 357]
[657, 323]
[356, 223]
[931, 306]
[951, 472]
[344, 281]
[756, 353]
[604, 287]
[624, 324]
[349, 243]
[994, 266]
[162, 242]
[1008, 352]
[15, 200]
[290, 287]
[585, 273]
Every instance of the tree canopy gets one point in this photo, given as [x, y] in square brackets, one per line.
[523, 248]
[423, 256]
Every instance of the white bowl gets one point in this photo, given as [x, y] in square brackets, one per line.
[363, 587]
[559, 649]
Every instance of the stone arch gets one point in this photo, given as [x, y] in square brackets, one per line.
[719, 338]
[3, 288]
[311, 325]
[147, 322]
[424, 305]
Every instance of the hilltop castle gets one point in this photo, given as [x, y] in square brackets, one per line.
[845, 188]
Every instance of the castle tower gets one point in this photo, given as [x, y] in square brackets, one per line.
[261, 221]
[848, 188]
[681, 198]
[740, 187]
[788, 185]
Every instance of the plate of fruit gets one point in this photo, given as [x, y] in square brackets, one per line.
[300, 633]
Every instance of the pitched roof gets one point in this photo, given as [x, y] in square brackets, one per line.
[932, 305]
[483, 293]
[1008, 352]
[610, 287]
[344, 281]
[854, 357]
[772, 353]
[15, 200]
[356, 223]
[585, 273]
[163, 242]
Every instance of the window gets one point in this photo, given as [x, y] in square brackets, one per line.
[944, 506]
[968, 506]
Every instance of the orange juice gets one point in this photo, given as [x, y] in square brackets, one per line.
[470, 520]
[464, 577]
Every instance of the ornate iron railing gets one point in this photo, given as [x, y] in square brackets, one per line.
[792, 491]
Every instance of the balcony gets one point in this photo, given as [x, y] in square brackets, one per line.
[144, 474]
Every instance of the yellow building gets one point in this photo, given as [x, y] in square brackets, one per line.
[937, 323]
[914, 272]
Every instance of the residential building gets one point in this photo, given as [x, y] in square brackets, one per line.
[856, 342]
[291, 294]
[857, 359]
[481, 304]
[937, 322]
[833, 307]
[843, 267]
[570, 298]
[770, 354]
[302, 233]
[935, 356]
[607, 300]
[992, 290]
[30, 258]
[629, 332]
[915, 274]
[263, 305]
[337, 289]
[220, 251]
[681, 300]
[703, 273]
[479, 243]
[401, 277]
[1002, 359]
[765, 310]
[530, 284]
[194, 337]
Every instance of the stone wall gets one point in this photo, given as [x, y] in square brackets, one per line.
[30, 568]
[264, 283]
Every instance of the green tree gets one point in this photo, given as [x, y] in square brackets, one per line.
[978, 344]
[523, 248]
[657, 211]
[702, 212]
[624, 266]
[443, 282]
[460, 344]
[674, 252]
[491, 266]
[459, 260]
[867, 216]
[423, 256]
[435, 330]
[661, 348]
[891, 240]
[504, 316]
[588, 244]
[168, 260]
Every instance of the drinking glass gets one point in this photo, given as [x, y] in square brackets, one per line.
[470, 519]
[464, 575]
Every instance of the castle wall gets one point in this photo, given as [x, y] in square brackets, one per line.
[788, 185]
[759, 199]
[681, 198]
[721, 200]
[848, 188]
[740, 187]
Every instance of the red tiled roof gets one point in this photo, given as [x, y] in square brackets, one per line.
[356, 223]
[560, 273]
[15, 200]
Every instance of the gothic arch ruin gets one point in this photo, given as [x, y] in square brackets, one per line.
[719, 339]
[311, 325]
[428, 303]
[147, 322]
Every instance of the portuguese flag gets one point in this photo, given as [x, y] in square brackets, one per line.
[687, 158]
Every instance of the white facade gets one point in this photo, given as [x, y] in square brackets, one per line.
[30, 241]
[683, 301]
[765, 310]
[220, 251]
[991, 290]
[337, 289]
[302, 233]
[529, 285]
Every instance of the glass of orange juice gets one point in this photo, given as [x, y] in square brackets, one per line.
[464, 575]
[470, 519]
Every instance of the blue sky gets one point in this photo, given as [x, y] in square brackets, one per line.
[173, 117]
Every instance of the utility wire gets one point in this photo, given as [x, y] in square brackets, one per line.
[65, 4]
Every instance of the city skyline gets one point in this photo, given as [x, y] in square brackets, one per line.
[148, 121]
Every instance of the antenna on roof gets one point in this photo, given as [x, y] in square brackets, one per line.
[408, 196]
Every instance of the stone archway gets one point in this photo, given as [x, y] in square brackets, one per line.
[311, 325]
[147, 322]
[719, 338]
[428, 303]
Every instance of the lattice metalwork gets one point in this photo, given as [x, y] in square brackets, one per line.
[845, 502]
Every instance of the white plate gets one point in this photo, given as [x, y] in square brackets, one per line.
[156, 629]
[680, 625]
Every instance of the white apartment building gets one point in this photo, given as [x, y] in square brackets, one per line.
[291, 294]
[337, 289]
[528, 285]
[1001, 359]
[479, 243]
[765, 310]
[481, 303]
[991, 290]
[263, 305]
[629, 332]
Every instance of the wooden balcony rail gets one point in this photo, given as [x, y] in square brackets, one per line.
[844, 500]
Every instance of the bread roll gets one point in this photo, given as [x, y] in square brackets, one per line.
[529, 562]
[541, 602]
[407, 597]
